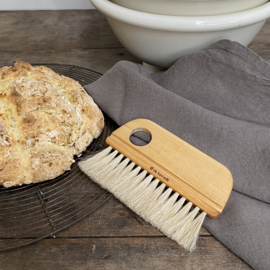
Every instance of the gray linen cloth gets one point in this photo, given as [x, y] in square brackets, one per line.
[218, 100]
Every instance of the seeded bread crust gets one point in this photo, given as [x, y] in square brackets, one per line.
[45, 119]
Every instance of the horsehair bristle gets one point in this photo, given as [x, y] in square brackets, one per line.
[148, 197]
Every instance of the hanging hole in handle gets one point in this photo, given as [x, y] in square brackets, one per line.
[140, 136]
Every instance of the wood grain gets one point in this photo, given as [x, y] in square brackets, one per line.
[157, 253]
[99, 60]
[74, 37]
[63, 30]
[113, 219]
[261, 43]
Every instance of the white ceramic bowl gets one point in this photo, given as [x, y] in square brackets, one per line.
[190, 7]
[160, 40]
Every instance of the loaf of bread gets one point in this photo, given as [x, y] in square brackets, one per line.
[45, 119]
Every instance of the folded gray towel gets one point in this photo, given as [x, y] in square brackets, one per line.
[218, 101]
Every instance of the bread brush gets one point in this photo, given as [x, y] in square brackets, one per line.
[168, 182]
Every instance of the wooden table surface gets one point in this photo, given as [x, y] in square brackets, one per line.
[113, 237]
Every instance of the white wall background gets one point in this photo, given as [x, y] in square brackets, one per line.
[44, 4]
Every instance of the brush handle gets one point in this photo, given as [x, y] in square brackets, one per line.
[194, 175]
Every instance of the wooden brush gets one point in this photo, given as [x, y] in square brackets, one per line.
[168, 182]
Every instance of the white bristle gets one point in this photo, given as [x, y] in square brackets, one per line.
[132, 177]
[191, 234]
[126, 192]
[174, 215]
[161, 213]
[102, 154]
[172, 224]
[137, 201]
[184, 224]
[148, 197]
[135, 188]
[145, 207]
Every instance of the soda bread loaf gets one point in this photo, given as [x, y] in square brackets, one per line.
[45, 119]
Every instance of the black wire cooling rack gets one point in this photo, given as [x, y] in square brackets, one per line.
[32, 212]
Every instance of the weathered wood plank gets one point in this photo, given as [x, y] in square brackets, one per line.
[120, 253]
[261, 43]
[99, 60]
[113, 219]
[55, 30]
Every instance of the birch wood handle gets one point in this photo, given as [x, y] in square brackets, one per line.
[182, 167]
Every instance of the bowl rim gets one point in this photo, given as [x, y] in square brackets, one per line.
[230, 6]
[183, 23]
